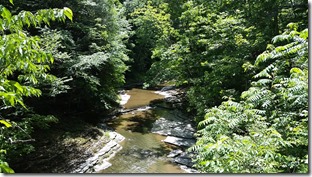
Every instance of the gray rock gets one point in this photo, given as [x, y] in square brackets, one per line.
[99, 160]
[182, 132]
[102, 166]
[167, 88]
[184, 161]
[116, 137]
[188, 169]
[176, 128]
[179, 141]
[106, 148]
[175, 153]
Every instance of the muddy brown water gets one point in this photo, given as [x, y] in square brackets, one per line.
[142, 151]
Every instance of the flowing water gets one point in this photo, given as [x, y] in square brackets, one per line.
[142, 151]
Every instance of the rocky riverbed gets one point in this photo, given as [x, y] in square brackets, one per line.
[87, 148]
[178, 129]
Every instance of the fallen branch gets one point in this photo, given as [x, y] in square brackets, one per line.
[20, 141]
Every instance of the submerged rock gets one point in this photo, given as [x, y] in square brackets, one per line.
[180, 132]
[185, 159]
[173, 125]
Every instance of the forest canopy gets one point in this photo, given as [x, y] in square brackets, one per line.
[243, 66]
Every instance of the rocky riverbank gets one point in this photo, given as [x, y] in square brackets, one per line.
[100, 152]
[81, 148]
[178, 128]
[88, 148]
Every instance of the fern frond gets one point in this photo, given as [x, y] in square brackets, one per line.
[262, 82]
[265, 72]
[206, 121]
[260, 112]
[266, 104]
[281, 38]
[234, 122]
[263, 58]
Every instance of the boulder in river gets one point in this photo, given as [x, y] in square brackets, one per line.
[175, 128]
[166, 88]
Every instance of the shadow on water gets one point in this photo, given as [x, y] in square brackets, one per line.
[140, 122]
[141, 153]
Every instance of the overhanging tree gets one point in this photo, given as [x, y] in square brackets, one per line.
[23, 64]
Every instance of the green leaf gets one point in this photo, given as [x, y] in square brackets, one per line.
[11, 99]
[4, 167]
[304, 34]
[6, 13]
[7, 124]
[19, 87]
[296, 70]
[11, 1]
[21, 103]
[69, 13]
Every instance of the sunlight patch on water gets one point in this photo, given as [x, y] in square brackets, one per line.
[124, 98]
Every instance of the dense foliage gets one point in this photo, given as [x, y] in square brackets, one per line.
[267, 131]
[75, 67]
[69, 58]
[208, 47]
[204, 44]
[90, 53]
[23, 65]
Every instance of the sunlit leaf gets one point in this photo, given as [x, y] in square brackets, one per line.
[7, 124]
[4, 168]
[69, 13]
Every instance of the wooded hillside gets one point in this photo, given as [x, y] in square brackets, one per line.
[244, 67]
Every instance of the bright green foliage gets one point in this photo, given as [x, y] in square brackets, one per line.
[267, 132]
[21, 53]
[207, 47]
[207, 43]
[4, 167]
[23, 64]
[153, 24]
[208, 55]
[6, 123]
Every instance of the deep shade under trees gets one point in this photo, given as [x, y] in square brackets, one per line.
[243, 66]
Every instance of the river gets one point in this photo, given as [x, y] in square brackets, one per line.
[142, 151]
